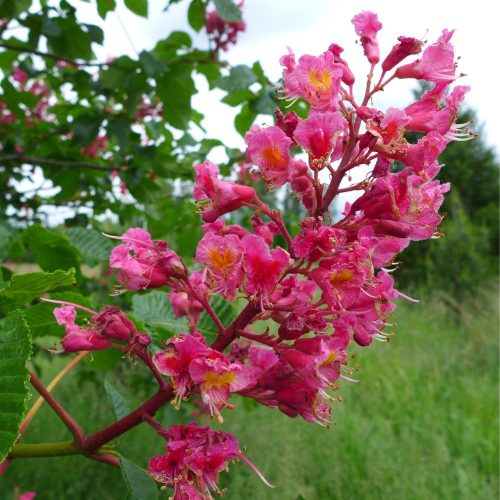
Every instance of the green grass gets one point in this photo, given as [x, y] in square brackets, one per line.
[422, 423]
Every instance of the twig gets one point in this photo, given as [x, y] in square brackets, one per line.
[38, 403]
[49, 162]
[68, 421]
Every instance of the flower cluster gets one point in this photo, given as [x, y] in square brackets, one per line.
[328, 285]
[194, 458]
[223, 33]
[189, 362]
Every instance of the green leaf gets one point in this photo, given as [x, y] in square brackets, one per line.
[51, 249]
[10, 9]
[139, 7]
[155, 310]
[238, 97]
[196, 14]
[23, 288]
[244, 120]
[151, 64]
[105, 6]
[96, 33]
[240, 78]
[228, 10]
[50, 28]
[93, 246]
[102, 361]
[119, 129]
[15, 351]
[85, 129]
[139, 483]
[119, 403]
[264, 104]
[175, 89]
[167, 49]
[7, 235]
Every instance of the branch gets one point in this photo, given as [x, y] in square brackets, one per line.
[29, 416]
[45, 450]
[150, 407]
[225, 338]
[50, 55]
[49, 162]
[68, 421]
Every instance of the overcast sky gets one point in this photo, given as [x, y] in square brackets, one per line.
[310, 26]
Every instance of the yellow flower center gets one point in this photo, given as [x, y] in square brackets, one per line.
[213, 379]
[320, 81]
[329, 360]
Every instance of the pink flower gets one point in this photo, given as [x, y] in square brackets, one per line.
[263, 267]
[223, 256]
[406, 47]
[269, 149]
[318, 135]
[317, 360]
[427, 115]
[92, 150]
[19, 75]
[194, 458]
[287, 123]
[216, 197]
[77, 338]
[410, 201]
[29, 495]
[175, 360]
[316, 79]
[217, 379]
[367, 25]
[341, 277]
[111, 323]
[436, 64]
[144, 263]
[424, 154]
[301, 183]
[266, 230]
[222, 32]
[347, 75]
[389, 131]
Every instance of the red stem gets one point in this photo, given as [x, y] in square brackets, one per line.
[68, 421]
[150, 407]
[231, 332]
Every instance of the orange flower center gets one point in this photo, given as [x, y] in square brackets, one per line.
[272, 155]
[340, 277]
[221, 260]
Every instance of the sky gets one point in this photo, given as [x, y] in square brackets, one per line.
[310, 26]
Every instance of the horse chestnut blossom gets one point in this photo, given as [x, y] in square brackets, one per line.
[300, 300]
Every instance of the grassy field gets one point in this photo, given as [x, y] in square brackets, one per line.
[422, 423]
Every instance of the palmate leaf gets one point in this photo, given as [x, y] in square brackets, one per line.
[23, 288]
[93, 246]
[224, 310]
[15, 351]
[139, 484]
[155, 310]
[120, 405]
